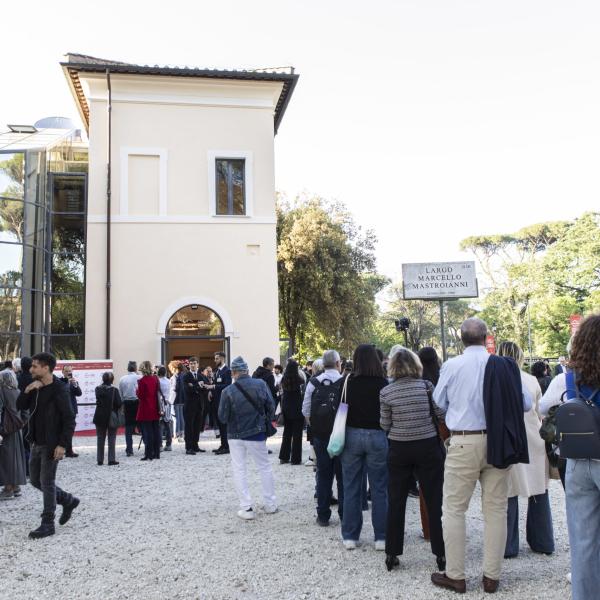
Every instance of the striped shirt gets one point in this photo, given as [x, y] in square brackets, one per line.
[405, 410]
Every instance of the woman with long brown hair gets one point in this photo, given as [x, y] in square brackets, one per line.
[583, 475]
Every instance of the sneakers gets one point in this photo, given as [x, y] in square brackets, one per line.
[68, 511]
[270, 510]
[309, 462]
[380, 545]
[246, 515]
[350, 544]
[569, 577]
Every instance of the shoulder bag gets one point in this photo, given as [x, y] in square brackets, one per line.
[337, 439]
[114, 421]
[269, 429]
[440, 427]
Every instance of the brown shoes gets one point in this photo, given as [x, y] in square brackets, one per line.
[490, 585]
[456, 585]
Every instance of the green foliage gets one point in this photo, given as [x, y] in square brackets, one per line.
[326, 274]
[539, 276]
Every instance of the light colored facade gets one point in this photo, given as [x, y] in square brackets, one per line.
[169, 249]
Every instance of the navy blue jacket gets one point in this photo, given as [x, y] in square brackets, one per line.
[224, 374]
[504, 416]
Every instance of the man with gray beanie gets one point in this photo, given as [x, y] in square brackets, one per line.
[245, 407]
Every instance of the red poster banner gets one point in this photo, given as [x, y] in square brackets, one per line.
[490, 344]
[574, 322]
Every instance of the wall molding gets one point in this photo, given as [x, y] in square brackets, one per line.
[126, 152]
[184, 219]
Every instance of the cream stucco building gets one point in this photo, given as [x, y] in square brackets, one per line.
[181, 225]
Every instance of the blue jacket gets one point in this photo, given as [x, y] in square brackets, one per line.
[241, 417]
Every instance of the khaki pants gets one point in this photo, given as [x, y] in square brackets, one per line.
[466, 464]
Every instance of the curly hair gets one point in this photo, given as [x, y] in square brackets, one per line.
[585, 352]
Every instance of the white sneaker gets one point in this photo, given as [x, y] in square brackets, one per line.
[270, 509]
[380, 545]
[247, 515]
[350, 544]
[309, 462]
[569, 577]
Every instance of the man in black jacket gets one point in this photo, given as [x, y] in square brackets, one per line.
[222, 379]
[266, 374]
[74, 393]
[193, 407]
[51, 427]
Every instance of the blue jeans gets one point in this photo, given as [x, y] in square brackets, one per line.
[326, 468]
[583, 520]
[179, 420]
[364, 448]
[539, 530]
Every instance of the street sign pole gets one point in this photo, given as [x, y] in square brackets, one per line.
[443, 327]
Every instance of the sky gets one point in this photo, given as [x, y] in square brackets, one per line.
[433, 120]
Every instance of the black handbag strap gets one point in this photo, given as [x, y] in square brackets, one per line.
[434, 417]
[249, 398]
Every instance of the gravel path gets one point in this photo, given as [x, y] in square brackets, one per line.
[167, 529]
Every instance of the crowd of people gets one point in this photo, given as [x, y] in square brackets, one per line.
[403, 418]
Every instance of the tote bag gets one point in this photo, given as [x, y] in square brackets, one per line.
[338, 435]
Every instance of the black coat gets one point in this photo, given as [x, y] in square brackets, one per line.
[267, 376]
[504, 414]
[107, 399]
[74, 392]
[221, 379]
[192, 393]
[291, 403]
[60, 419]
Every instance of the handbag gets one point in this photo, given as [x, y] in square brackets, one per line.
[160, 398]
[442, 431]
[337, 439]
[269, 429]
[11, 421]
[114, 420]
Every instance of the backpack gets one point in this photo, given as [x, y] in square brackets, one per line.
[578, 424]
[323, 406]
[548, 429]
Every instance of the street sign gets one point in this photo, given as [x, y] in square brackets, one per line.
[490, 344]
[439, 281]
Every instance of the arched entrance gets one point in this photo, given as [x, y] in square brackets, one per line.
[194, 330]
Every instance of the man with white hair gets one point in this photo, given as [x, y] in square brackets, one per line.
[460, 392]
[327, 467]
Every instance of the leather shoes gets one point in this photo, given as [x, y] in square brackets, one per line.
[442, 580]
[222, 451]
[191, 452]
[490, 585]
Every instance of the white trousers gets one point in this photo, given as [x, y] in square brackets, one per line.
[239, 449]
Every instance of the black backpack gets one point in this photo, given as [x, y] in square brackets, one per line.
[323, 405]
[578, 426]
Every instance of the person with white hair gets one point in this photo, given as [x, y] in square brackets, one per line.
[327, 467]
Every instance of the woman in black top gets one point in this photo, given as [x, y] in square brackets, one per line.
[431, 364]
[108, 400]
[293, 421]
[365, 447]
[538, 370]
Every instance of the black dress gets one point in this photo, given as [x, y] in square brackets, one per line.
[293, 426]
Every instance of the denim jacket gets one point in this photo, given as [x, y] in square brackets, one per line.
[242, 419]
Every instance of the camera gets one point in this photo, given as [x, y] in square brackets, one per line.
[402, 324]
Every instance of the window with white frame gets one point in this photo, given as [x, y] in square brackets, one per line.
[230, 183]
[230, 186]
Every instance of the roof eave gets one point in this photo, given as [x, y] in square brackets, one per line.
[72, 77]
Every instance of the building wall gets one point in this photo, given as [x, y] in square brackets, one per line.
[166, 246]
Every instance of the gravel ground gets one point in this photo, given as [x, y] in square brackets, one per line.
[167, 529]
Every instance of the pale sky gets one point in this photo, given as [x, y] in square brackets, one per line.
[432, 120]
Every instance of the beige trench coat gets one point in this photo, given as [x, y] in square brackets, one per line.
[531, 479]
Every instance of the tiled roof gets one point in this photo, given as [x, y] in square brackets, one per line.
[81, 63]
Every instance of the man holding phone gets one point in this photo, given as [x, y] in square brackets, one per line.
[51, 426]
[74, 393]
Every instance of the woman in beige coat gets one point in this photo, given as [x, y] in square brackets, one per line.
[529, 480]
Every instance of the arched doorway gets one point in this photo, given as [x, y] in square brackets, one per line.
[194, 330]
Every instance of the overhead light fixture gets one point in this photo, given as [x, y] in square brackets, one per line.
[22, 128]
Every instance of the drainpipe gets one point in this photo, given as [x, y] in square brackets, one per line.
[108, 216]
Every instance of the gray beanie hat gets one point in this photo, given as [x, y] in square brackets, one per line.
[239, 364]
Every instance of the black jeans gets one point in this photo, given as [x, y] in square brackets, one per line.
[151, 437]
[166, 429]
[130, 411]
[426, 459]
[327, 467]
[42, 471]
[291, 441]
[101, 433]
[222, 430]
[192, 415]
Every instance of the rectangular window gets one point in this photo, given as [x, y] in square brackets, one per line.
[231, 186]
